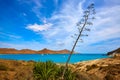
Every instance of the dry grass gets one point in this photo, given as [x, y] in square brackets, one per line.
[16, 70]
[103, 69]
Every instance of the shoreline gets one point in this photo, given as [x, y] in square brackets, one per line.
[99, 68]
[28, 57]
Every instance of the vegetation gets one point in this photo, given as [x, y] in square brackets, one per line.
[69, 75]
[44, 70]
[85, 21]
[50, 71]
[89, 67]
[3, 67]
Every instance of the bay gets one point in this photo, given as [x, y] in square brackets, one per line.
[57, 58]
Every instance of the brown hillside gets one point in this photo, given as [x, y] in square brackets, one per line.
[28, 51]
[8, 50]
[45, 50]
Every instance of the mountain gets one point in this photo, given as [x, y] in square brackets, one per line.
[8, 50]
[64, 51]
[114, 51]
[15, 51]
[45, 50]
[28, 51]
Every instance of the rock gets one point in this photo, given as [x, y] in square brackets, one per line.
[117, 51]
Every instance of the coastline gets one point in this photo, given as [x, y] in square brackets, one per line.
[104, 69]
[99, 69]
[57, 58]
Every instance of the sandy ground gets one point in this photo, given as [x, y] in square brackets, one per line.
[104, 69]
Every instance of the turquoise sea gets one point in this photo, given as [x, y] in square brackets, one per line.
[57, 58]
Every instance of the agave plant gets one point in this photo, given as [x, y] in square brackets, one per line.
[50, 71]
[44, 70]
[68, 74]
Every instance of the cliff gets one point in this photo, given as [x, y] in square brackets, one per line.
[28, 51]
[114, 51]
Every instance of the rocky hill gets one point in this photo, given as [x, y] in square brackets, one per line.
[45, 50]
[114, 51]
[28, 51]
[8, 50]
[102, 69]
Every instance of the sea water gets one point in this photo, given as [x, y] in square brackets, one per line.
[57, 58]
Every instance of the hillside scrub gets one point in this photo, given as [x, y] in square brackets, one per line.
[50, 71]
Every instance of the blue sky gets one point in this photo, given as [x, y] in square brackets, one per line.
[38, 24]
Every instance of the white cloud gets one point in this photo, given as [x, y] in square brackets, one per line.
[36, 5]
[112, 2]
[24, 45]
[9, 35]
[56, 2]
[36, 8]
[65, 20]
[63, 25]
[34, 45]
[36, 28]
[105, 28]
[107, 25]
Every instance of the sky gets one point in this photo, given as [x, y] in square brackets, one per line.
[38, 24]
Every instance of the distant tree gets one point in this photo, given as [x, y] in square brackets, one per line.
[85, 21]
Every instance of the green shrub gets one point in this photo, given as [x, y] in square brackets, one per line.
[68, 74]
[44, 70]
[50, 71]
[3, 67]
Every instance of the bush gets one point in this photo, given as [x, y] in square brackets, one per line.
[44, 70]
[68, 74]
[3, 67]
[110, 77]
[89, 67]
[50, 71]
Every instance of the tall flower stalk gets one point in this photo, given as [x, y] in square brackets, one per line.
[88, 15]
